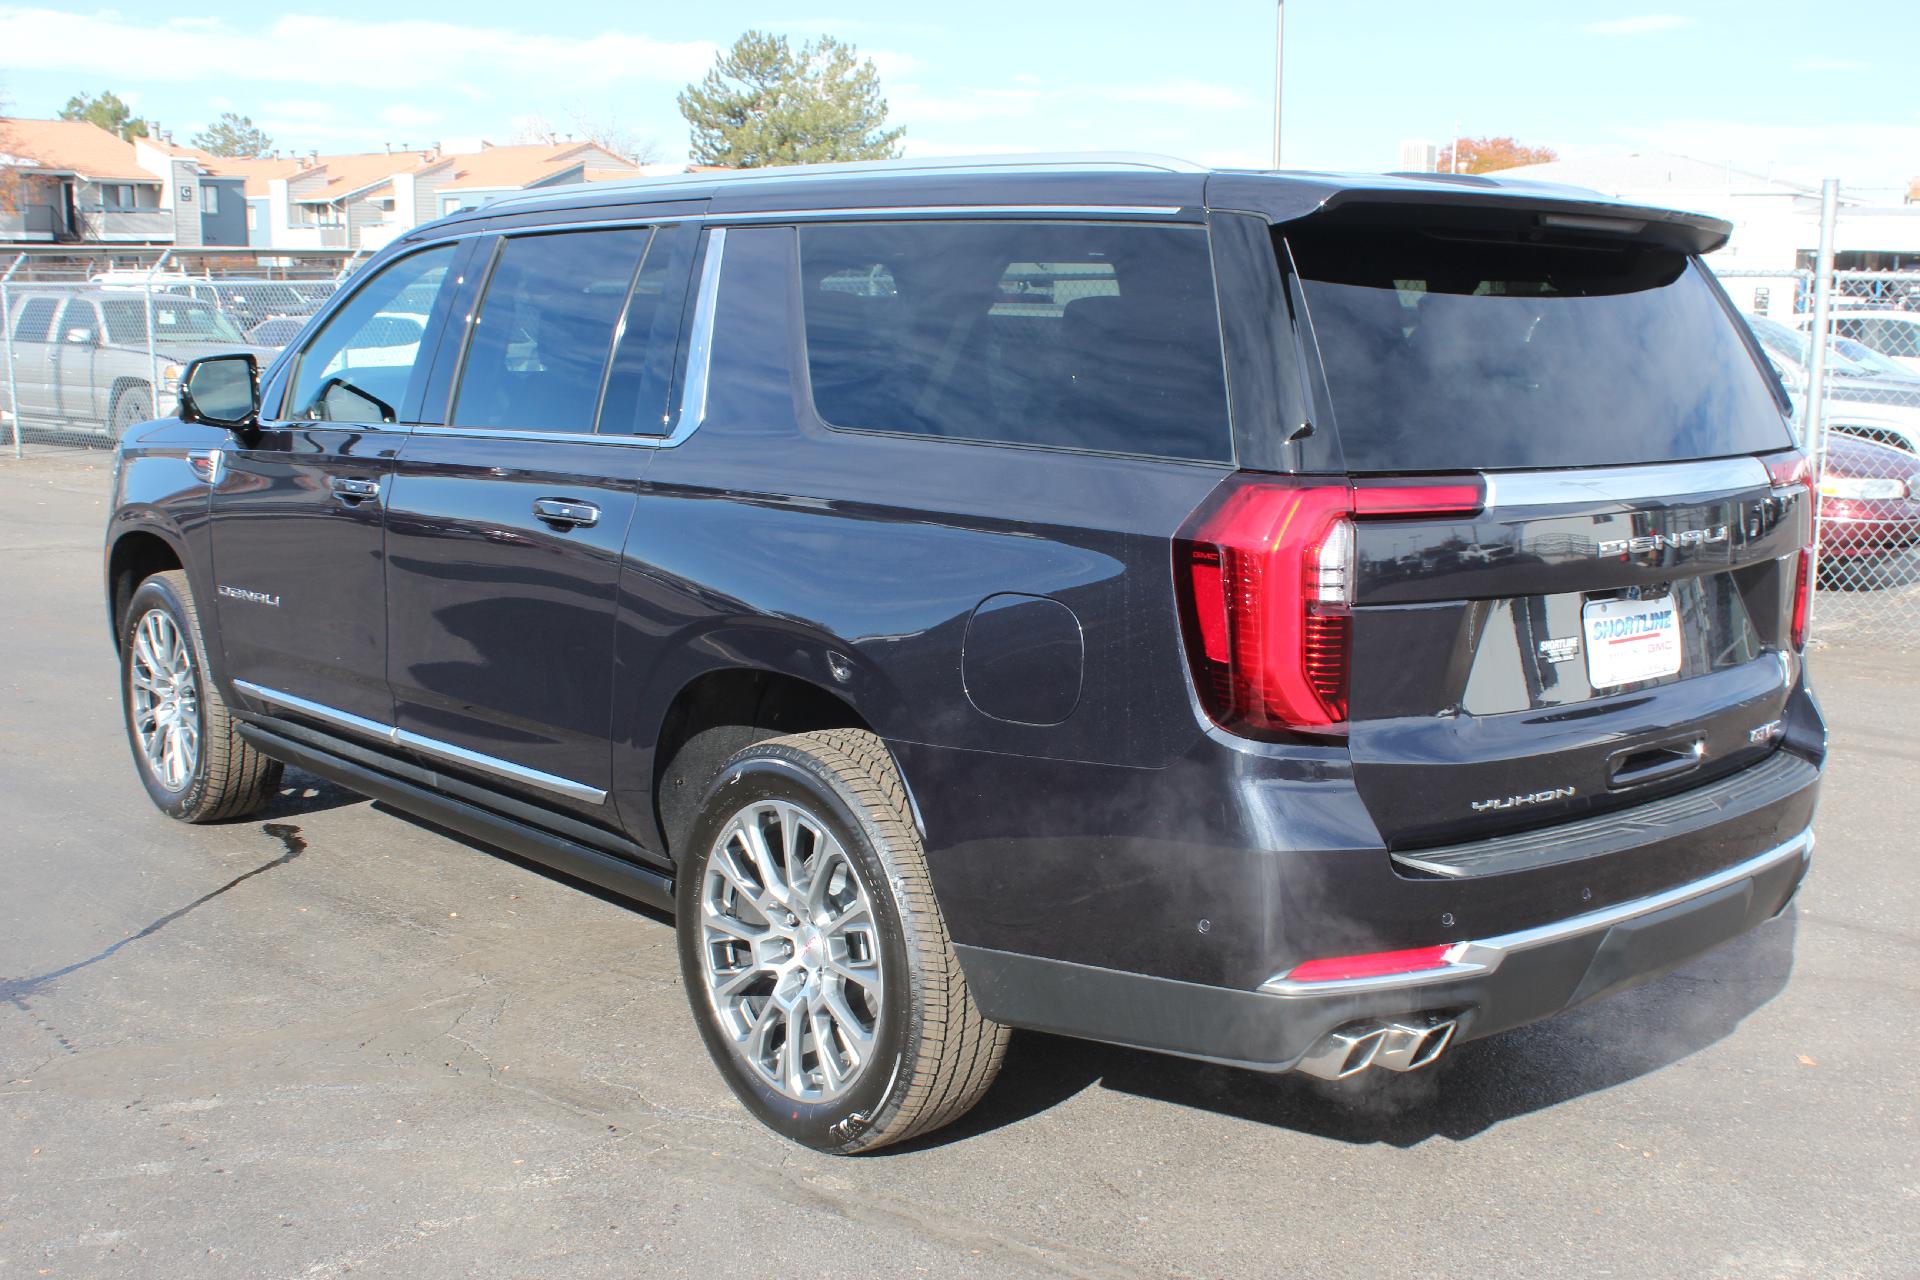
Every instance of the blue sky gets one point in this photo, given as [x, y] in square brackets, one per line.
[1781, 86]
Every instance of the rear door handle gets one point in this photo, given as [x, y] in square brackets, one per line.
[566, 513]
[354, 491]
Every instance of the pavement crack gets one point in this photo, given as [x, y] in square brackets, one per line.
[16, 990]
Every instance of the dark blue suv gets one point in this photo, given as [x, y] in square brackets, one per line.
[1287, 620]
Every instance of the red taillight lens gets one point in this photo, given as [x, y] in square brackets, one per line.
[1802, 598]
[1266, 573]
[1795, 471]
[1374, 964]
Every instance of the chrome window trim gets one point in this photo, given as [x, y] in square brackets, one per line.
[850, 213]
[693, 391]
[1469, 959]
[1624, 484]
[432, 746]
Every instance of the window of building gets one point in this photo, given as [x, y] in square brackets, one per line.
[537, 356]
[210, 200]
[1073, 335]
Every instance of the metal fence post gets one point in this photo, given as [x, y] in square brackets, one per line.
[1813, 407]
[153, 358]
[6, 325]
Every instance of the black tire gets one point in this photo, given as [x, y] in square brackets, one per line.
[228, 778]
[932, 1055]
[130, 406]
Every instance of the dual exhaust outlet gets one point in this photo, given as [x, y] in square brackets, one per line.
[1401, 1045]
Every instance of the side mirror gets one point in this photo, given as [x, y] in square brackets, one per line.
[80, 336]
[222, 391]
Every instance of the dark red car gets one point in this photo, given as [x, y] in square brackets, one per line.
[1869, 504]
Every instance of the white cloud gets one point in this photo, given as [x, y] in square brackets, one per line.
[408, 116]
[1641, 25]
[336, 52]
[1867, 155]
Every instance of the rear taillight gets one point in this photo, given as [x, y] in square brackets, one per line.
[1266, 572]
[1795, 471]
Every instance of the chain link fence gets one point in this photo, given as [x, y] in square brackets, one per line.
[95, 343]
[1862, 426]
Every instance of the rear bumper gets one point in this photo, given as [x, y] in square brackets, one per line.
[1490, 984]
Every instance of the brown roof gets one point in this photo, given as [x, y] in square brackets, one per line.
[72, 146]
[501, 167]
[348, 174]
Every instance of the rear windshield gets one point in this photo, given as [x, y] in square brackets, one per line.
[1450, 353]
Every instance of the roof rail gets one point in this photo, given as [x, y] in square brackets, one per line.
[1034, 162]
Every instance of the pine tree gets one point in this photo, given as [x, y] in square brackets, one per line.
[233, 135]
[764, 103]
[108, 111]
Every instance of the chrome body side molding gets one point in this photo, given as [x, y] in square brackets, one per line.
[418, 742]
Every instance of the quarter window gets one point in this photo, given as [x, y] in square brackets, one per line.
[1102, 337]
[537, 358]
[360, 366]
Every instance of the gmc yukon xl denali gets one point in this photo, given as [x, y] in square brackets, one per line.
[1288, 620]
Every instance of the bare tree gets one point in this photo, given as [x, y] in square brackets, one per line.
[603, 131]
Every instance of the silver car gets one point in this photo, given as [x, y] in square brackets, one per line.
[81, 359]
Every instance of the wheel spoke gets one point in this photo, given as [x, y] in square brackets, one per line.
[731, 987]
[797, 1028]
[733, 926]
[722, 862]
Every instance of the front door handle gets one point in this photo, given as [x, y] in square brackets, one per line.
[566, 513]
[354, 491]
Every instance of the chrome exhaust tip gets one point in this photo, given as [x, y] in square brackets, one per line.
[1397, 1046]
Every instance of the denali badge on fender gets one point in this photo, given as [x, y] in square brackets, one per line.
[1657, 541]
[1520, 802]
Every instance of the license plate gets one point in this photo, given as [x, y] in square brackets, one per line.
[1630, 640]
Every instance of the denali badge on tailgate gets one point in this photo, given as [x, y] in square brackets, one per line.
[1657, 541]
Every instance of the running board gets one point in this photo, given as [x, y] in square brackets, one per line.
[616, 875]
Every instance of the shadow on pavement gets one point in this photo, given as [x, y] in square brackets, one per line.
[1477, 1086]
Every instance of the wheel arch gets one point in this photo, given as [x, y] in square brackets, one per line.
[723, 709]
[136, 555]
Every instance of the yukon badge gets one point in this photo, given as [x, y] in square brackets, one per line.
[1660, 541]
[1521, 802]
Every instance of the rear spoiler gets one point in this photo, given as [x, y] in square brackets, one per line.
[1459, 201]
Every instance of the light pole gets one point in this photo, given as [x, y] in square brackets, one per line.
[1279, 69]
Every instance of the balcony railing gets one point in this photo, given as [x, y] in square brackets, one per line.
[29, 222]
[126, 224]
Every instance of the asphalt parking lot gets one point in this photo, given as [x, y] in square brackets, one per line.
[335, 1040]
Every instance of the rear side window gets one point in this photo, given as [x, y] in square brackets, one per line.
[1082, 336]
[36, 320]
[538, 355]
[1450, 353]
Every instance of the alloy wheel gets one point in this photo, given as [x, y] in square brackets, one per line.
[790, 952]
[166, 699]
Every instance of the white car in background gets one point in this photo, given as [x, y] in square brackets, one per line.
[1894, 334]
[1863, 399]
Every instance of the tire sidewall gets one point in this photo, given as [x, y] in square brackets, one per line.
[783, 773]
[158, 593]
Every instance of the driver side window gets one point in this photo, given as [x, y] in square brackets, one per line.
[359, 366]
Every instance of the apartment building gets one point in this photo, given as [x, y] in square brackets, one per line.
[67, 181]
